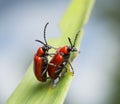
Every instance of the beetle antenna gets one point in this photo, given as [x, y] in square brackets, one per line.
[75, 38]
[70, 42]
[45, 44]
[41, 42]
[45, 33]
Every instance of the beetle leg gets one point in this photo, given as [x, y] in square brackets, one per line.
[56, 81]
[44, 72]
[52, 64]
[45, 78]
[49, 54]
[71, 67]
[59, 76]
[65, 68]
[57, 71]
[65, 71]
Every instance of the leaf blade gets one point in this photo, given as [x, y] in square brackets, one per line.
[30, 91]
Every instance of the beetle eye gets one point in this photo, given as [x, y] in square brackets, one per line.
[74, 49]
[44, 48]
[69, 48]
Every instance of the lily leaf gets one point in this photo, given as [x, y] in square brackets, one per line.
[30, 91]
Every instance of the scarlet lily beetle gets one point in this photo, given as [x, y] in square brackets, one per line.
[41, 60]
[60, 60]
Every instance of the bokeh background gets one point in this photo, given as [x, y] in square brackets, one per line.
[97, 68]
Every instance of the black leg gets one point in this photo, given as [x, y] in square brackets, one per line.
[43, 73]
[71, 67]
[56, 81]
[52, 64]
[59, 69]
[58, 77]
[50, 54]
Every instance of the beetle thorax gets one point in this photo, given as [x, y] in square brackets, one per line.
[64, 50]
[40, 52]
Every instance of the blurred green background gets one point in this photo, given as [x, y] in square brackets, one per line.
[97, 68]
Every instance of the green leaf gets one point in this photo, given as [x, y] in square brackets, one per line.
[30, 91]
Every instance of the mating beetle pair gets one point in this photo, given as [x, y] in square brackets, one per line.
[58, 62]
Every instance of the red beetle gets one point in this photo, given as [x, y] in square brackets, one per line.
[41, 60]
[60, 60]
